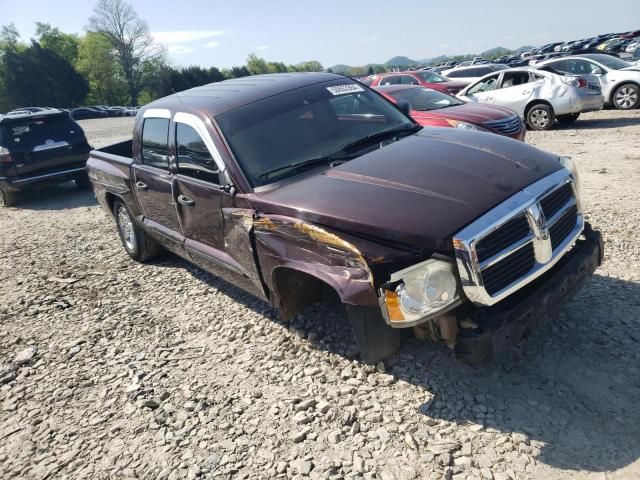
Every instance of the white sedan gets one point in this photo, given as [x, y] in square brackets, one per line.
[619, 80]
[540, 97]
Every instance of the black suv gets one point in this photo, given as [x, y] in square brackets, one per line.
[40, 147]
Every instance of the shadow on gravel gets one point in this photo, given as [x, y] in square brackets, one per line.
[600, 123]
[573, 385]
[55, 197]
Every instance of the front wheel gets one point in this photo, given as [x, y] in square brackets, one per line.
[540, 117]
[568, 119]
[8, 199]
[626, 97]
[137, 243]
[375, 339]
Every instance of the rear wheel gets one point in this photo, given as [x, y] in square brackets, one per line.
[626, 97]
[8, 199]
[137, 243]
[375, 339]
[568, 119]
[540, 117]
[83, 182]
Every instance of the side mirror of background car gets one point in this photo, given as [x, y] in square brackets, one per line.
[405, 106]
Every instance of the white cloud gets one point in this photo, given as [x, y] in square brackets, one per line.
[179, 49]
[262, 47]
[369, 39]
[185, 36]
[211, 44]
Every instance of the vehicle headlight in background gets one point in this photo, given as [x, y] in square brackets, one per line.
[570, 164]
[465, 125]
[420, 292]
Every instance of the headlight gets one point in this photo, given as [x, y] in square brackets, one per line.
[465, 125]
[420, 292]
[569, 164]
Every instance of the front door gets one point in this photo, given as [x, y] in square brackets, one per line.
[200, 199]
[515, 90]
[154, 184]
[482, 91]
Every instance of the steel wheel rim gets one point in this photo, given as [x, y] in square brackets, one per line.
[540, 118]
[126, 229]
[626, 97]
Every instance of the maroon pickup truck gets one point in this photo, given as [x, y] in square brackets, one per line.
[309, 187]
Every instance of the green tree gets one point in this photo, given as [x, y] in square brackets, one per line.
[257, 65]
[38, 76]
[63, 44]
[9, 37]
[98, 64]
[310, 66]
[129, 37]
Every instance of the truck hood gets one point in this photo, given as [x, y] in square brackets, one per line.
[417, 191]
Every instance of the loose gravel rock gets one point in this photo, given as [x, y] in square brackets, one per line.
[112, 369]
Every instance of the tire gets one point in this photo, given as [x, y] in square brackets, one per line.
[375, 339]
[136, 242]
[83, 182]
[8, 199]
[568, 119]
[540, 117]
[626, 97]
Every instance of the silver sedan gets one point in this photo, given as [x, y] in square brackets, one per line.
[620, 80]
[539, 96]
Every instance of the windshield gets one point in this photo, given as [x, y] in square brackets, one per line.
[304, 124]
[608, 61]
[431, 77]
[424, 99]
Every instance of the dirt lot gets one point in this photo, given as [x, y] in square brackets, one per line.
[111, 369]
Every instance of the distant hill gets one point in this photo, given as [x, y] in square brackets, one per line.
[405, 62]
[402, 62]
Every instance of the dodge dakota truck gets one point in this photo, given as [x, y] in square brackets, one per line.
[309, 187]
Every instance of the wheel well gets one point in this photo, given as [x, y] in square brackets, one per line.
[536, 102]
[295, 291]
[110, 198]
[616, 87]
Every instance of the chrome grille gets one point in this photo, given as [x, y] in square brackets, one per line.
[519, 239]
[506, 126]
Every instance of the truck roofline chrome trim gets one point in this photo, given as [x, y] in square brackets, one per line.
[48, 175]
[157, 113]
[198, 125]
[464, 242]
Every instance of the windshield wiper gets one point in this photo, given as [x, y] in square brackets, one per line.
[306, 164]
[407, 129]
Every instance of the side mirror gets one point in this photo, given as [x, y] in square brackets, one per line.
[405, 106]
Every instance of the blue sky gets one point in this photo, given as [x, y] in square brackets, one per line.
[223, 33]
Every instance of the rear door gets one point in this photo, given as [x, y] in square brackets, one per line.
[201, 197]
[45, 144]
[154, 182]
[514, 91]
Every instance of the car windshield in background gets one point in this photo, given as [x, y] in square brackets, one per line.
[307, 124]
[608, 61]
[424, 99]
[431, 77]
[30, 132]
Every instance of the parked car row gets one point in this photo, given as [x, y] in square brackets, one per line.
[81, 113]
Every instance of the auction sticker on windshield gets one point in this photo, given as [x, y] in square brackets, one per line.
[342, 89]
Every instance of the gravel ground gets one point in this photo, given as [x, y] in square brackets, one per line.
[111, 369]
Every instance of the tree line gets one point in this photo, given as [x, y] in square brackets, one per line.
[115, 62]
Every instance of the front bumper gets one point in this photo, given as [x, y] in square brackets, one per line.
[506, 323]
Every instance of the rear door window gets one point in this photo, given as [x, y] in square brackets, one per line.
[408, 80]
[194, 158]
[155, 142]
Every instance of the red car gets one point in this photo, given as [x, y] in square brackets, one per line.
[431, 108]
[424, 78]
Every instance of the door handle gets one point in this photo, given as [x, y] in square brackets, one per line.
[186, 201]
[141, 186]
